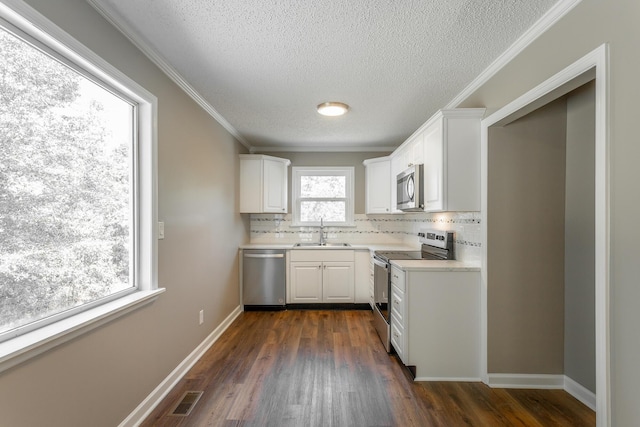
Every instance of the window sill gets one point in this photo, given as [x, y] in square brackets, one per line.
[24, 347]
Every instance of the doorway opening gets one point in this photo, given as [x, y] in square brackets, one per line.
[535, 187]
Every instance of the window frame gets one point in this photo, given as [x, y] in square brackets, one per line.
[29, 341]
[298, 172]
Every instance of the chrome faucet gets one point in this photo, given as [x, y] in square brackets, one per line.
[322, 236]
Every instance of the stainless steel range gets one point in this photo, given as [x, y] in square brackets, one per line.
[436, 245]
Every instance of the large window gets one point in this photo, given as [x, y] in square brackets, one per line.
[323, 193]
[76, 182]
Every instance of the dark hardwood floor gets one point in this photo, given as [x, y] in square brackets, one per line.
[328, 368]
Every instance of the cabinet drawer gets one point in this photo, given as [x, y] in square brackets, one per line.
[397, 338]
[397, 304]
[397, 278]
[321, 255]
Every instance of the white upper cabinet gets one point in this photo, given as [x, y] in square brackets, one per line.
[398, 164]
[263, 184]
[378, 185]
[416, 150]
[448, 145]
[432, 170]
[452, 160]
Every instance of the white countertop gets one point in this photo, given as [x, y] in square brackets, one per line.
[434, 265]
[354, 246]
[407, 265]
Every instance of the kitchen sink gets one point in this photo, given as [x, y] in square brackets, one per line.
[321, 245]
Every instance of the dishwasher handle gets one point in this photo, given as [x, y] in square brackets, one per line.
[264, 255]
[381, 264]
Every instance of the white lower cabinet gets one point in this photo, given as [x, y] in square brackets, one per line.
[435, 323]
[337, 282]
[321, 276]
[306, 282]
[397, 338]
[363, 281]
[372, 288]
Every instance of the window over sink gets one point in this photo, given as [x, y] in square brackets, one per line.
[322, 194]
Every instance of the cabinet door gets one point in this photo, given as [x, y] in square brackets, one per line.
[398, 339]
[397, 166]
[250, 188]
[275, 186]
[371, 285]
[378, 187]
[417, 150]
[433, 179]
[397, 304]
[361, 274]
[338, 282]
[306, 282]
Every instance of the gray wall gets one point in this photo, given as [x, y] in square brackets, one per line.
[541, 242]
[354, 159]
[590, 24]
[579, 317]
[100, 377]
[525, 214]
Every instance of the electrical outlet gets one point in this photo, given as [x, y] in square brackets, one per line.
[161, 230]
[201, 317]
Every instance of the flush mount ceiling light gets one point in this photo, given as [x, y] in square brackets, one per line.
[333, 108]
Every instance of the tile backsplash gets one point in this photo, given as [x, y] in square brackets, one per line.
[376, 229]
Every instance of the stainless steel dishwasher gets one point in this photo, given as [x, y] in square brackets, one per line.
[263, 279]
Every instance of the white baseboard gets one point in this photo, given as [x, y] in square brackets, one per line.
[143, 410]
[561, 382]
[580, 392]
[456, 379]
[542, 381]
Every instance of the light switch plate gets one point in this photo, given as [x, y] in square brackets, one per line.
[161, 230]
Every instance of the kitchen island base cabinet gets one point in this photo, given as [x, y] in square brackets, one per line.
[436, 319]
[323, 276]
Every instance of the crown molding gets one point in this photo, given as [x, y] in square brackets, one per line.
[171, 72]
[322, 149]
[552, 16]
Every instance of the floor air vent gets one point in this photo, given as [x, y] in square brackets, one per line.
[186, 403]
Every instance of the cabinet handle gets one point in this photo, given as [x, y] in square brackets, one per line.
[395, 276]
[395, 334]
[396, 302]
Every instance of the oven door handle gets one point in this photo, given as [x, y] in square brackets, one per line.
[381, 264]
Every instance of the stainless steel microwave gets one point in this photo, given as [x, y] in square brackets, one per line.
[410, 195]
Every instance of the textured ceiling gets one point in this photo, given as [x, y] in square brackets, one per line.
[264, 65]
